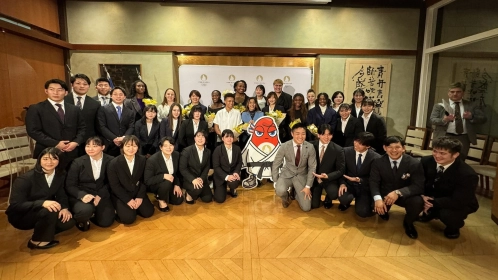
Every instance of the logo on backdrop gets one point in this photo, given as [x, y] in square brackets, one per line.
[231, 77]
[204, 82]
[259, 78]
[287, 79]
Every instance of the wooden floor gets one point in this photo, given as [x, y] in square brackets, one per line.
[253, 237]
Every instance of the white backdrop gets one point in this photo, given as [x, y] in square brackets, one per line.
[205, 79]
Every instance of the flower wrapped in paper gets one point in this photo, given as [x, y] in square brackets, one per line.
[298, 120]
[240, 107]
[209, 117]
[313, 129]
[149, 101]
[186, 111]
[237, 131]
[278, 116]
[225, 92]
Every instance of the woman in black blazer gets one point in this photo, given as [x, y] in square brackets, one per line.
[147, 131]
[38, 201]
[356, 103]
[195, 170]
[162, 175]
[128, 192]
[171, 125]
[88, 188]
[189, 128]
[227, 162]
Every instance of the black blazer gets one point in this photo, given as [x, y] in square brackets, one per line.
[111, 127]
[80, 181]
[30, 190]
[165, 130]
[316, 117]
[186, 132]
[149, 143]
[46, 128]
[383, 180]
[203, 108]
[346, 138]
[222, 167]
[89, 113]
[332, 163]
[353, 111]
[124, 185]
[191, 167]
[155, 168]
[132, 104]
[364, 172]
[454, 189]
[376, 126]
[285, 100]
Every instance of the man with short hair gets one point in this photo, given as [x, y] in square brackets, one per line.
[457, 119]
[398, 178]
[103, 89]
[297, 173]
[347, 128]
[228, 117]
[55, 123]
[88, 106]
[450, 186]
[283, 99]
[355, 182]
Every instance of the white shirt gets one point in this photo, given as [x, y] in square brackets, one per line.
[323, 109]
[96, 167]
[398, 162]
[106, 97]
[227, 120]
[261, 102]
[75, 97]
[199, 153]
[451, 125]
[175, 124]
[55, 106]
[229, 154]
[311, 106]
[162, 111]
[196, 126]
[444, 166]
[169, 164]
[50, 178]
[320, 148]
[363, 155]
[116, 106]
[358, 109]
[366, 118]
[344, 123]
[131, 164]
[149, 127]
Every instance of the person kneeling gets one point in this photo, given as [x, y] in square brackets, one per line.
[450, 186]
[300, 163]
[227, 162]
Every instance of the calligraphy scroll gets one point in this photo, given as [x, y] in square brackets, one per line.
[374, 77]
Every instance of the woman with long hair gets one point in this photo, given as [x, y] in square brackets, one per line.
[147, 131]
[311, 96]
[138, 92]
[168, 100]
[356, 103]
[171, 125]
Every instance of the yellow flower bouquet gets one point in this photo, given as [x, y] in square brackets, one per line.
[240, 107]
[149, 101]
[313, 129]
[237, 131]
[294, 122]
[186, 111]
[209, 117]
[277, 116]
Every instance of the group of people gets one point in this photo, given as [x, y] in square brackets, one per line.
[98, 157]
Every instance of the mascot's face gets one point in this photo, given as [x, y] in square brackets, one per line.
[265, 135]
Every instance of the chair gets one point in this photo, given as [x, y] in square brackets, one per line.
[415, 138]
[424, 152]
[476, 152]
[488, 168]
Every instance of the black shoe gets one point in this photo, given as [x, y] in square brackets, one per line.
[425, 218]
[285, 202]
[51, 244]
[384, 217]
[410, 230]
[83, 226]
[233, 193]
[165, 209]
[292, 194]
[451, 234]
[343, 207]
[190, 202]
[327, 204]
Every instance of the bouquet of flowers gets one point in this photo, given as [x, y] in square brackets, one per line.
[186, 111]
[149, 101]
[277, 116]
[313, 129]
[209, 118]
[226, 91]
[237, 131]
[240, 107]
[294, 122]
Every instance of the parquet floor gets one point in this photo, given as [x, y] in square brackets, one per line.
[253, 237]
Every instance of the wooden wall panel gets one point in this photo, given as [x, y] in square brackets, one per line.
[26, 65]
[41, 13]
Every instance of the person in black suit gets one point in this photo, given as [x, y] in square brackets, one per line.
[374, 124]
[322, 113]
[329, 167]
[163, 175]
[88, 106]
[116, 121]
[134, 102]
[38, 201]
[147, 131]
[356, 103]
[55, 123]
[311, 96]
[195, 100]
[189, 128]
[88, 188]
[126, 176]
[283, 99]
[397, 178]
[347, 128]
[103, 89]
[194, 167]
[171, 125]
[355, 182]
[227, 163]
[450, 186]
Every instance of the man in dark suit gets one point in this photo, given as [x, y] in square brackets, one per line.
[450, 186]
[116, 121]
[283, 99]
[347, 127]
[88, 106]
[355, 182]
[457, 118]
[103, 89]
[329, 167]
[55, 123]
[374, 124]
[397, 178]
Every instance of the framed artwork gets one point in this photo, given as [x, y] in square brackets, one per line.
[122, 75]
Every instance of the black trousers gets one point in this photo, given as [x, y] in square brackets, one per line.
[204, 193]
[127, 215]
[164, 191]
[46, 224]
[452, 219]
[113, 150]
[331, 188]
[104, 212]
[220, 192]
[363, 199]
[413, 205]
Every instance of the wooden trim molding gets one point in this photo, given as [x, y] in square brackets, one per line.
[33, 34]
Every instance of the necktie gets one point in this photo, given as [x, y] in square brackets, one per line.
[60, 112]
[119, 112]
[79, 102]
[358, 163]
[440, 169]
[298, 155]
[395, 168]
[458, 119]
[104, 101]
[322, 151]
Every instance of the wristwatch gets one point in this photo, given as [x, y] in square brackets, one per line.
[398, 193]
